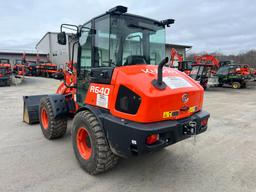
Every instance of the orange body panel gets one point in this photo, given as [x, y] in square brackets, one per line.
[156, 105]
[100, 95]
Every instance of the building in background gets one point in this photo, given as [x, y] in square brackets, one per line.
[181, 50]
[17, 56]
[60, 54]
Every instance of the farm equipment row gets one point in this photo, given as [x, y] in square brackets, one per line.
[210, 72]
[33, 69]
[19, 70]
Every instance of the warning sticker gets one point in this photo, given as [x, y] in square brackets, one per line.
[192, 109]
[168, 114]
[176, 82]
[102, 100]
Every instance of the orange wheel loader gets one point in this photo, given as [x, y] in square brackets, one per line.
[121, 97]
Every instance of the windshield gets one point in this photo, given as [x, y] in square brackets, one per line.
[199, 72]
[194, 72]
[18, 62]
[122, 40]
[4, 60]
[2, 71]
[136, 41]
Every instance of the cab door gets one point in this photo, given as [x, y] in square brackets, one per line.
[84, 63]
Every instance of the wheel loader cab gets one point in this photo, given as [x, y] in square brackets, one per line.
[119, 40]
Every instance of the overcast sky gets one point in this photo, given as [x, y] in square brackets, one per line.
[220, 25]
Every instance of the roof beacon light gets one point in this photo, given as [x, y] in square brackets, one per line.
[167, 22]
[118, 10]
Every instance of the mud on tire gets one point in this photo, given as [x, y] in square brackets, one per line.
[91, 148]
[51, 128]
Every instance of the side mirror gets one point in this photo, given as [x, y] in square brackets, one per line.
[62, 39]
[92, 31]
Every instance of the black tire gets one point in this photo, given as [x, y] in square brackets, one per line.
[243, 85]
[236, 85]
[101, 158]
[8, 83]
[55, 128]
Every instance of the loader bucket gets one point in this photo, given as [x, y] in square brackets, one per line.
[31, 108]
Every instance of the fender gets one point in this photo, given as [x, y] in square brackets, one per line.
[99, 114]
[96, 112]
[59, 105]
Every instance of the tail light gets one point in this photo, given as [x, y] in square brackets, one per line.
[151, 139]
[204, 122]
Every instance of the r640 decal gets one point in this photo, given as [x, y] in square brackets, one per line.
[99, 90]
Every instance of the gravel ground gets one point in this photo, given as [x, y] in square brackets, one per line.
[223, 159]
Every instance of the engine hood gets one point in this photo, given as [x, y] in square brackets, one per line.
[181, 98]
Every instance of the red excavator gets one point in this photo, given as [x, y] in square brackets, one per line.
[203, 70]
[208, 60]
[184, 66]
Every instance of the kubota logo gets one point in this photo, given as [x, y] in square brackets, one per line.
[185, 98]
[154, 71]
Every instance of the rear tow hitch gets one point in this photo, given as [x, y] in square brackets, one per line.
[191, 128]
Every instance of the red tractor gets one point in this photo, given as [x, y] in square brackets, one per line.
[46, 69]
[5, 72]
[122, 104]
[19, 69]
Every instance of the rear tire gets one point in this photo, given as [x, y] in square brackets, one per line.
[243, 85]
[236, 85]
[90, 144]
[52, 128]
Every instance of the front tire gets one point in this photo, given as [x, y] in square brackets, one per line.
[90, 144]
[236, 85]
[52, 128]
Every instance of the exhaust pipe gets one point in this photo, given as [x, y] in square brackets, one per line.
[158, 83]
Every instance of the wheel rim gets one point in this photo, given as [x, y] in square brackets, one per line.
[44, 118]
[84, 143]
[235, 86]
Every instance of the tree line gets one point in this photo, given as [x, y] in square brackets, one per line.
[248, 58]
